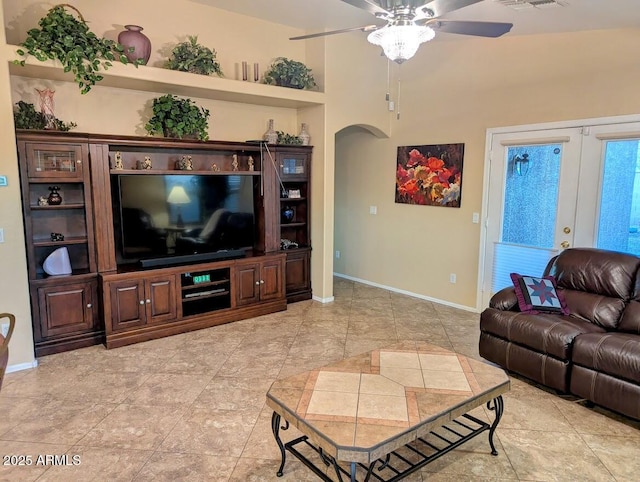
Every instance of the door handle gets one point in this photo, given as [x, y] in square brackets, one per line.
[565, 244]
[566, 230]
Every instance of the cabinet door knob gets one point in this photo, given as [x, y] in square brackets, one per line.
[261, 281]
[79, 161]
[89, 305]
[257, 282]
[148, 301]
[142, 302]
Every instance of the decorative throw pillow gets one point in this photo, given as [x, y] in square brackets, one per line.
[536, 295]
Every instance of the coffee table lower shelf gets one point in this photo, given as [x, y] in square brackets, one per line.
[397, 464]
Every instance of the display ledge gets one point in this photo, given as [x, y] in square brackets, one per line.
[183, 172]
[57, 206]
[76, 276]
[54, 180]
[67, 240]
[158, 80]
[292, 225]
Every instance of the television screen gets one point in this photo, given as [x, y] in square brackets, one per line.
[164, 215]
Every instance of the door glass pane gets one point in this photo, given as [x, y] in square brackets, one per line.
[531, 195]
[619, 220]
[529, 216]
[58, 161]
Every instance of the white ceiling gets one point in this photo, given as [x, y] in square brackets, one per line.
[320, 15]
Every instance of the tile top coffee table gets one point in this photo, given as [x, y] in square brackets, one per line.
[386, 413]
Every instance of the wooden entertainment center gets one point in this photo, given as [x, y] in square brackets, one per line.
[107, 300]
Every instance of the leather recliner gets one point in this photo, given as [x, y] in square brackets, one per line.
[594, 352]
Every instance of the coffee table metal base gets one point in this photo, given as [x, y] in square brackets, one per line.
[399, 463]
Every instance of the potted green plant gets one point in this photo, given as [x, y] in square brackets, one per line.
[289, 73]
[288, 139]
[25, 116]
[192, 57]
[178, 117]
[67, 39]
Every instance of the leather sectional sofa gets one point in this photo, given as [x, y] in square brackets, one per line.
[594, 352]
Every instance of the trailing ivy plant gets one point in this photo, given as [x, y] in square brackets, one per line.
[195, 58]
[25, 116]
[284, 138]
[178, 117]
[289, 73]
[63, 37]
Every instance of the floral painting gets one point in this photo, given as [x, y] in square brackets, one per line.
[430, 175]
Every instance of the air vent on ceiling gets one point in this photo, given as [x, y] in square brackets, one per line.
[522, 4]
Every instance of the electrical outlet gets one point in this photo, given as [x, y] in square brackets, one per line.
[452, 278]
[337, 254]
[475, 218]
[4, 328]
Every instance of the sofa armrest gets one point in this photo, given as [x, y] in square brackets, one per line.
[505, 300]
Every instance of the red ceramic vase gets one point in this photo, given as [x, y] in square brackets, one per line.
[133, 37]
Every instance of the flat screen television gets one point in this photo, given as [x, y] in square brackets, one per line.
[168, 219]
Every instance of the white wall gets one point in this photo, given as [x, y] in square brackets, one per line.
[453, 91]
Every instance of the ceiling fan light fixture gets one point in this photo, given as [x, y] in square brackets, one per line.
[401, 42]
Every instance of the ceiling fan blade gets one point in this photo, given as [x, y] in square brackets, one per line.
[366, 28]
[440, 7]
[479, 29]
[369, 5]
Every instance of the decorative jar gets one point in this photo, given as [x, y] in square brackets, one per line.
[133, 37]
[271, 136]
[54, 197]
[304, 136]
[287, 214]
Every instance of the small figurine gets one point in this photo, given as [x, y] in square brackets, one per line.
[57, 237]
[42, 201]
[214, 167]
[185, 163]
[146, 164]
[250, 161]
[234, 163]
[117, 163]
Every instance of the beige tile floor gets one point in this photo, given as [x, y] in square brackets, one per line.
[192, 407]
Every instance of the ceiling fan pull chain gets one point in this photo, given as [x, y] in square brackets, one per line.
[388, 96]
[399, 85]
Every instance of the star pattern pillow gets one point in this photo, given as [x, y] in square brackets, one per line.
[538, 295]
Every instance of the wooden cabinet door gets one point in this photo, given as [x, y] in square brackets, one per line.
[161, 299]
[61, 161]
[297, 270]
[271, 280]
[128, 307]
[68, 308]
[247, 284]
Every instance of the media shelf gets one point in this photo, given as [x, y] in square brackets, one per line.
[205, 291]
[294, 173]
[65, 309]
[105, 298]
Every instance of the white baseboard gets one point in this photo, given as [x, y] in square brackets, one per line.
[329, 299]
[408, 293]
[22, 366]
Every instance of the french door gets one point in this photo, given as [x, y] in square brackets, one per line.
[551, 189]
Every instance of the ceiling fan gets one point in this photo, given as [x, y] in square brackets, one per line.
[412, 22]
